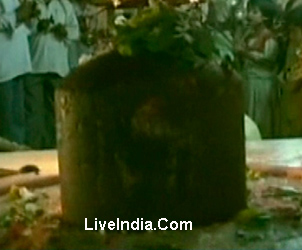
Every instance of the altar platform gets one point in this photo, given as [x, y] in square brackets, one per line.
[276, 156]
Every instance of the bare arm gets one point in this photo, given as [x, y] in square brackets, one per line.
[269, 53]
[267, 57]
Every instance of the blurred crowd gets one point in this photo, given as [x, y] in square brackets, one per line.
[42, 41]
[267, 40]
[269, 52]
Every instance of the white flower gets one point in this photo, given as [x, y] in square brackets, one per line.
[120, 20]
[116, 3]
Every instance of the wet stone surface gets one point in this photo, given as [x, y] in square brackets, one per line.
[273, 221]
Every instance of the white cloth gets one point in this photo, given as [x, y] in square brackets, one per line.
[7, 14]
[8, 6]
[252, 132]
[14, 47]
[50, 55]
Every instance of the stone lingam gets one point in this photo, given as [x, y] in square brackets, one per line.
[141, 136]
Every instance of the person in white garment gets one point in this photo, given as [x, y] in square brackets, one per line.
[53, 30]
[15, 63]
[93, 23]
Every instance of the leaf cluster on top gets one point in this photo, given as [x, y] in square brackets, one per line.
[177, 32]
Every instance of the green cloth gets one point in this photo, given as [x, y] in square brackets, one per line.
[261, 88]
[291, 99]
[291, 110]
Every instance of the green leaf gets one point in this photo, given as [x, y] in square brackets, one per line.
[223, 44]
